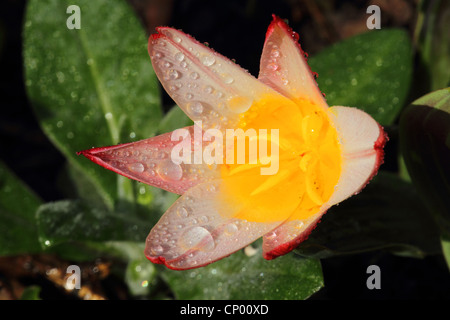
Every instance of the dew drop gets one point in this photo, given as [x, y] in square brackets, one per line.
[168, 170]
[196, 108]
[230, 228]
[239, 104]
[208, 60]
[136, 167]
[173, 74]
[179, 56]
[208, 89]
[189, 96]
[197, 238]
[228, 79]
[272, 235]
[182, 212]
[157, 249]
[176, 39]
[275, 53]
[272, 66]
[194, 75]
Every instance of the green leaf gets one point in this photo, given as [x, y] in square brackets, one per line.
[31, 293]
[139, 274]
[425, 145]
[92, 86]
[433, 41]
[174, 119]
[387, 214]
[371, 71]
[74, 221]
[244, 277]
[18, 204]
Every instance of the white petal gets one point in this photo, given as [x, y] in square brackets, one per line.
[206, 85]
[150, 161]
[362, 140]
[289, 235]
[200, 228]
[283, 65]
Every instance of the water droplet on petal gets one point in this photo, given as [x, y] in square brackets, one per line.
[179, 56]
[194, 75]
[227, 79]
[197, 238]
[208, 60]
[275, 53]
[157, 249]
[208, 89]
[230, 228]
[182, 212]
[173, 74]
[239, 104]
[272, 66]
[136, 167]
[271, 235]
[196, 108]
[168, 170]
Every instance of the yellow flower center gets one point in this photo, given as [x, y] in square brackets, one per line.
[299, 150]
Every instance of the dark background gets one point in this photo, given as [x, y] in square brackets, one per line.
[27, 151]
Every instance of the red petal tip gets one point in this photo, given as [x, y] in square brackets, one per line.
[291, 245]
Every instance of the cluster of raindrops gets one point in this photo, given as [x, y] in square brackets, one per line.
[188, 235]
[289, 232]
[273, 63]
[198, 87]
[152, 163]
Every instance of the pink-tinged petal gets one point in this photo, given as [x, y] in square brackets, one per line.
[283, 65]
[362, 140]
[150, 161]
[201, 227]
[289, 235]
[204, 84]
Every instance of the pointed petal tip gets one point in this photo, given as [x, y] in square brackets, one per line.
[288, 246]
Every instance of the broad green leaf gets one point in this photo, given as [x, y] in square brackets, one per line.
[92, 86]
[425, 145]
[73, 221]
[433, 41]
[371, 71]
[18, 204]
[245, 277]
[387, 214]
[174, 119]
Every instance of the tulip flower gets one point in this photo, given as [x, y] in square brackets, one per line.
[290, 157]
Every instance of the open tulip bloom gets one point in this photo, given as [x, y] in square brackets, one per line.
[265, 157]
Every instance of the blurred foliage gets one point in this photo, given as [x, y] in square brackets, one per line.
[425, 144]
[96, 87]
